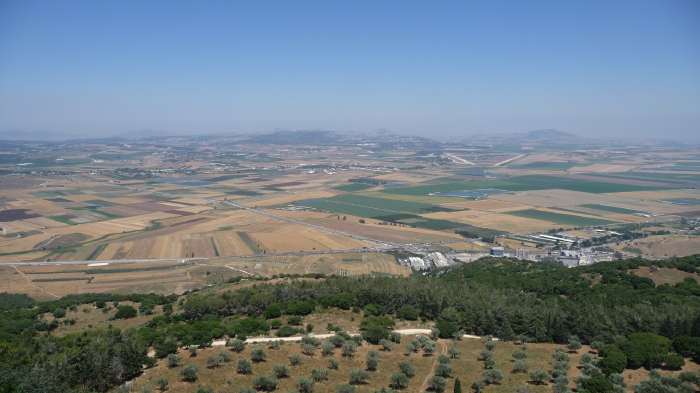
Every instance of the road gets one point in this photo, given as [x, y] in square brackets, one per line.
[403, 332]
[321, 228]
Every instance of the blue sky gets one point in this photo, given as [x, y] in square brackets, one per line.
[438, 68]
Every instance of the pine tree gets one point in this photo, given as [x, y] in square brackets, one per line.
[458, 386]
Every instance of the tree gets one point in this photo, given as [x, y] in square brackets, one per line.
[399, 381]
[539, 377]
[458, 386]
[612, 360]
[407, 369]
[189, 373]
[407, 312]
[358, 377]
[646, 349]
[595, 384]
[443, 370]
[453, 352]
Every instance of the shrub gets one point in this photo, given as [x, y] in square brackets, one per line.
[305, 385]
[395, 337]
[485, 355]
[163, 384]
[294, 320]
[265, 384]
[437, 384]
[280, 371]
[173, 360]
[193, 351]
[453, 352]
[257, 355]
[407, 369]
[345, 389]
[407, 312]
[478, 386]
[125, 312]
[519, 355]
[574, 344]
[189, 373]
[236, 345]
[213, 362]
[308, 349]
[490, 345]
[319, 374]
[286, 331]
[332, 364]
[519, 366]
[386, 345]
[596, 384]
[224, 357]
[273, 311]
[337, 340]
[673, 361]
[492, 376]
[275, 345]
[327, 348]
[244, 367]
[275, 324]
[613, 360]
[358, 377]
[295, 360]
[372, 364]
[399, 381]
[59, 312]
[443, 370]
[349, 348]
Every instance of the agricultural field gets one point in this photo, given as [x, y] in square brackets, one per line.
[560, 218]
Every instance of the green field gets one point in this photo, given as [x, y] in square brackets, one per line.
[612, 209]
[559, 218]
[365, 206]
[391, 210]
[63, 219]
[524, 183]
[561, 166]
[350, 187]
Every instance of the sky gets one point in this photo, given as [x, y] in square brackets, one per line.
[443, 69]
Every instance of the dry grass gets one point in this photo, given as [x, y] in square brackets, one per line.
[664, 275]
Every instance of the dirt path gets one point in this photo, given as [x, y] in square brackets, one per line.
[30, 282]
[442, 349]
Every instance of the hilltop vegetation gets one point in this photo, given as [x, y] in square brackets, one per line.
[626, 316]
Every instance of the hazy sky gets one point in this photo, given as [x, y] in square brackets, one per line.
[439, 68]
